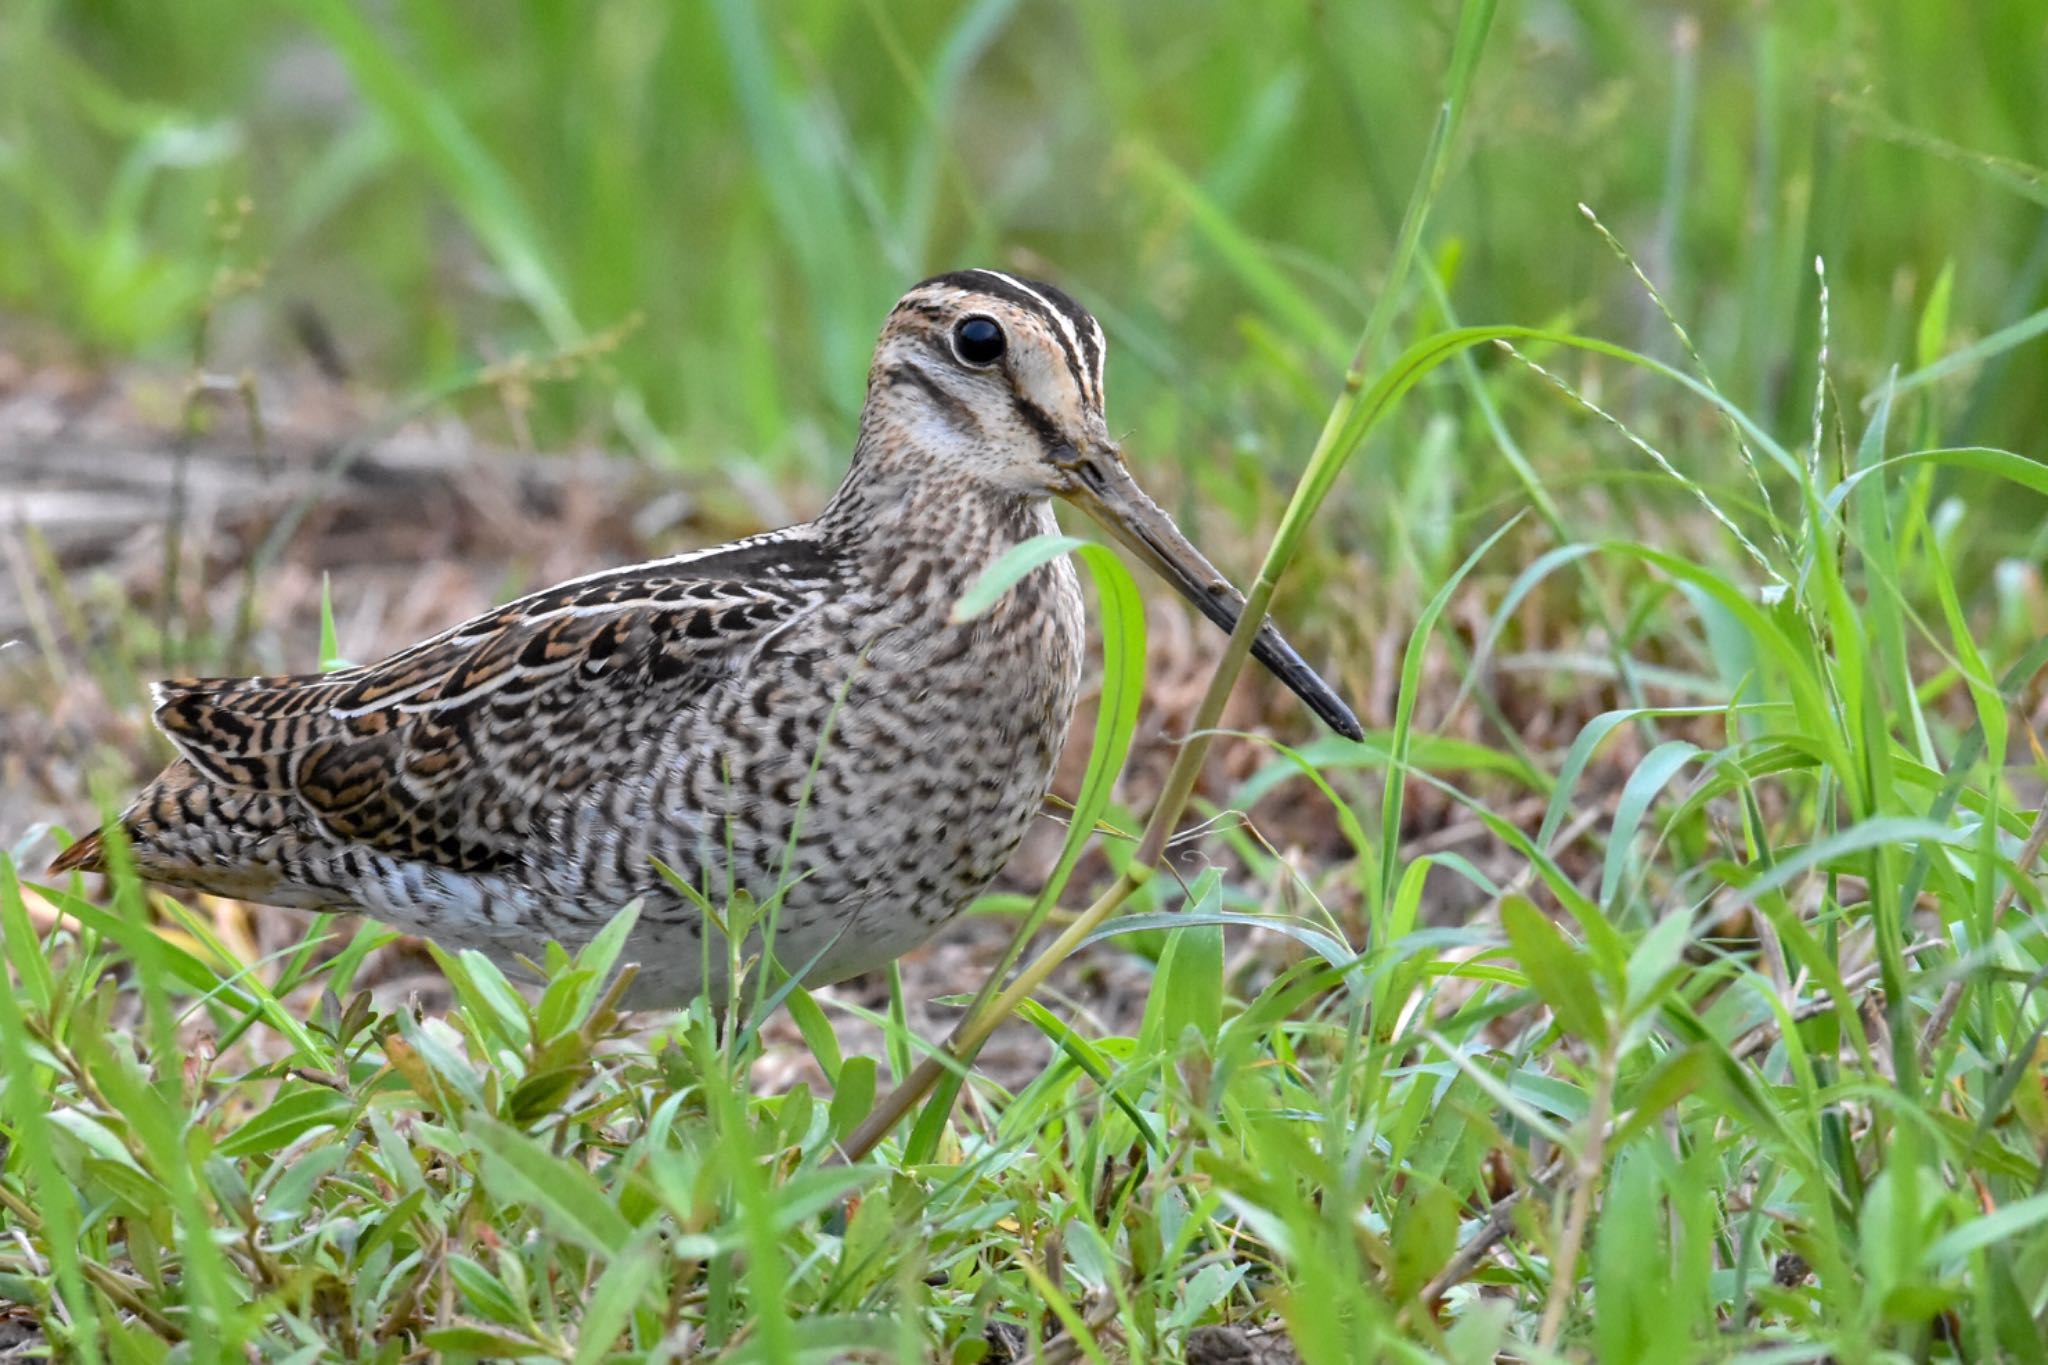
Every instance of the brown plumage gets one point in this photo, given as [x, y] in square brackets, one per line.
[795, 716]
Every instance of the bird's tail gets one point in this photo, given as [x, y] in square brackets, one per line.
[87, 855]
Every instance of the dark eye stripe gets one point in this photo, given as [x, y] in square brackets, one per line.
[954, 407]
[924, 308]
[1035, 418]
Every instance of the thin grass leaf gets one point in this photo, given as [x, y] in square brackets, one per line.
[1658, 767]
[1404, 713]
[1122, 613]
[1084, 1055]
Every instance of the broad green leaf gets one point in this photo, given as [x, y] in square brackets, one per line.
[1631, 1267]
[489, 1343]
[286, 1120]
[1558, 969]
[2022, 1216]
[817, 1031]
[853, 1095]
[1425, 1235]
[567, 1197]
[624, 1283]
[487, 1294]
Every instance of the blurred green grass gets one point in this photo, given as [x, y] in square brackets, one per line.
[443, 181]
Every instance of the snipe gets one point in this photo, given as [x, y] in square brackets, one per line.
[795, 712]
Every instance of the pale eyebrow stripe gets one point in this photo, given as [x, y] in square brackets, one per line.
[1070, 337]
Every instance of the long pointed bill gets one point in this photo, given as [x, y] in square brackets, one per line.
[1107, 492]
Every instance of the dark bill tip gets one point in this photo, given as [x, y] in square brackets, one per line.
[1107, 492]
[1272, 650]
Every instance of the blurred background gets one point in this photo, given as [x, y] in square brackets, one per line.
[732, 194]
[443, 300]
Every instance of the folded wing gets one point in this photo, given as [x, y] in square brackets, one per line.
[455, 752]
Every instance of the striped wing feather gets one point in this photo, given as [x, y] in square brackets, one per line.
[456, 750]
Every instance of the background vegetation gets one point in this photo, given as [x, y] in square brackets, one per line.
[1662, 979]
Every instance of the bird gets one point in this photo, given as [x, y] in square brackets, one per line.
[797, 717]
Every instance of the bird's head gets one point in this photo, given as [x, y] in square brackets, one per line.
[993, 382]
[992, 379]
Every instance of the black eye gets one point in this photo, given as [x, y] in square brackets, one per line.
[978, 341]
